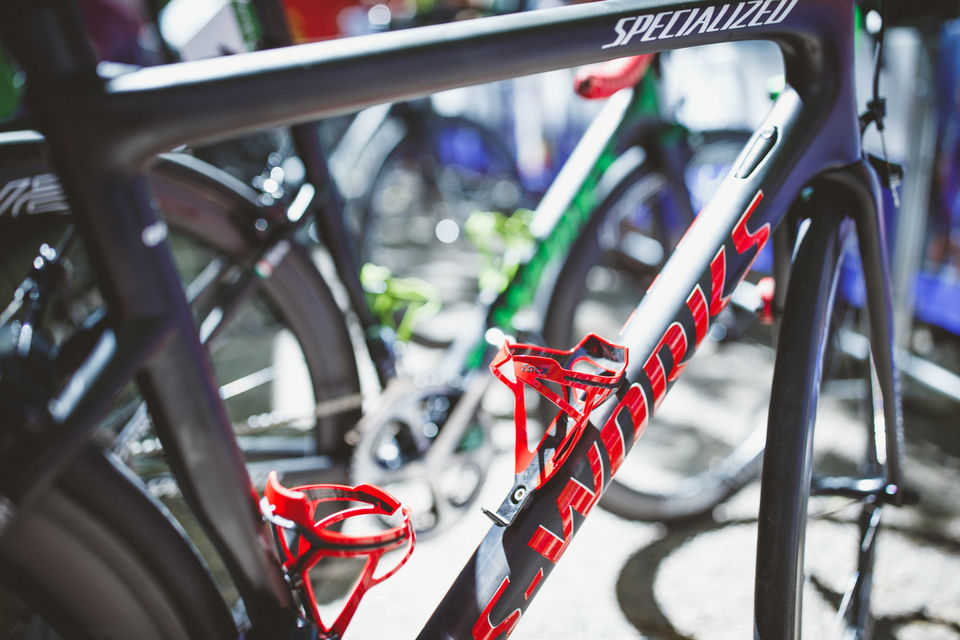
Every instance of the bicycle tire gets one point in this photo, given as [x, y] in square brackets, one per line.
[425, 162]
[95, 557]
[809, 358]
[208, 206]
[635, 211]
[211, 212]
[204, 203]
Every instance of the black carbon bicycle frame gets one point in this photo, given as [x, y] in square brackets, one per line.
[104, 131]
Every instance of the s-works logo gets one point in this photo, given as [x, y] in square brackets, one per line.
[684, 22]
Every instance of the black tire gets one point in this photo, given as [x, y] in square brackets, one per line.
[215, 235]
[812, 366]
[690, 459]
[213, 217]
[96, 558]
[107, 547]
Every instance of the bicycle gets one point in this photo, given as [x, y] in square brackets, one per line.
[258, 278]
[222, 208]
[97, 149]
[388, 440]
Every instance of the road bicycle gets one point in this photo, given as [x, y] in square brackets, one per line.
[229, 243]
[797, 177]
[620, 187]
[637, 191]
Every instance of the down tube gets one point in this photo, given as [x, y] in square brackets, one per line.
[490, 595]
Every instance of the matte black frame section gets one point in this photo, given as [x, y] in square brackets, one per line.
[103, 132]
[793, 405]
[852, 196]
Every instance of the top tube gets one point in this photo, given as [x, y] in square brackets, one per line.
[151, 110]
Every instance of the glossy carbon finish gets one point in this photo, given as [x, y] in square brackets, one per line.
[796, 386]
[113, 127]
[175, 104]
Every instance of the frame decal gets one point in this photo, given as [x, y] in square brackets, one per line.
[629, 418]
[484, 629]
[726, 17]
[33, 195]
[575, 496]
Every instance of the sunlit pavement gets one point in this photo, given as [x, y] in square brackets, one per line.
[623, 579]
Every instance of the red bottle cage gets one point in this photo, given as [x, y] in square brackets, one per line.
[294, 510]
[586, 375]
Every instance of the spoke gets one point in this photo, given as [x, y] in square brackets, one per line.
[323, 409]
[132, 432]
[248, 382]
[200, 288]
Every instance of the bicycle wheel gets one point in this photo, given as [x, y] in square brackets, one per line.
[281, 351]
[695, 453]
[438, 170]
[96, 558]
[816, 382]
[285, 360]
